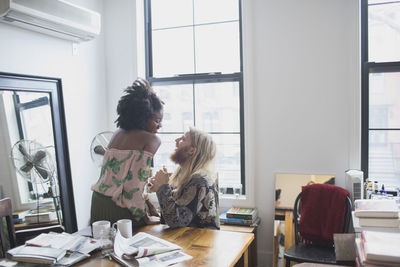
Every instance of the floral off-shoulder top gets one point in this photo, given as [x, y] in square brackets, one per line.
[123, 176]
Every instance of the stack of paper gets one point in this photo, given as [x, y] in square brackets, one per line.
[378, 249]
[60, 248]
[377, 212]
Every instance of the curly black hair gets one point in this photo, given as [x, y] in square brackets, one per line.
[137, 106]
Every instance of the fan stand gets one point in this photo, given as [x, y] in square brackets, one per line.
[56, 202]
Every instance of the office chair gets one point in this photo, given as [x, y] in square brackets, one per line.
[326, 210]
[6, 212]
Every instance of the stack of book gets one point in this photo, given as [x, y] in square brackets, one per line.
[240, 216]
[377, 212]
[378, 249]
[42, 217]
[19, 216]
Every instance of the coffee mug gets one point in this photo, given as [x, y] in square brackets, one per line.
[101, 229]
[125, 227]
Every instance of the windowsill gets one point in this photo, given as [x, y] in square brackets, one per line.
[231, 197]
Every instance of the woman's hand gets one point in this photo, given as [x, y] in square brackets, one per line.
[161, 177]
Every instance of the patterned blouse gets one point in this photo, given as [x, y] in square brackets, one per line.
[123, 176]
[196, 205]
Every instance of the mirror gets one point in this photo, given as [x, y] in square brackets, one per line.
[35, 160]
[287, 187]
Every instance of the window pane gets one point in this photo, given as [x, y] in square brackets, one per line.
[171, 13]
[384, 157]
[173, 52]
[217, 48]
[217, 107]
[25, 97]
[37, 125]
[384, 100]
[222, 10]
[384, 32]
[178, 108]
[162, 156]
[228, 159]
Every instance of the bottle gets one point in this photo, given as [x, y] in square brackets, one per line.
[365, 187]
[376, 186]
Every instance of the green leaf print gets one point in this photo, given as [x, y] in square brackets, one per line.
[138, 213]
[140, 155]
[143, 174]
[117, 182]
[103, 187]
[129, 176]
[129, 195]
[149, 161]
[114, 164]
[104, 167]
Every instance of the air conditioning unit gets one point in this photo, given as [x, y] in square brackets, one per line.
[55, 17]
[354, 184]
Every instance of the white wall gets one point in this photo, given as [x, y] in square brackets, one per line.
[121, 55]
[306, 84]
[84, 90]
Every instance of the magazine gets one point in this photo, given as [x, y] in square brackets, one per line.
[146, 250]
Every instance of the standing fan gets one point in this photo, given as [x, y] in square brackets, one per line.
[99, 146]
[34, 163]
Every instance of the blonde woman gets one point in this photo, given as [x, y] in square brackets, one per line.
[189, 196]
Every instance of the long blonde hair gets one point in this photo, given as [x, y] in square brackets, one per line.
[201, 162]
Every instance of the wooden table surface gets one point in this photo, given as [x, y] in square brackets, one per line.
[207, 247]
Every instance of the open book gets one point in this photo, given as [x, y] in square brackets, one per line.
[73, 243]
[146, 250]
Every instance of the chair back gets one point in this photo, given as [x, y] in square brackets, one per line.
[6, 212]
[297, 216]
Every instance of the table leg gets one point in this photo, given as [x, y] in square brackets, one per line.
[246, 258]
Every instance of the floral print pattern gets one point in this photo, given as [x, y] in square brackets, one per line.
[196, 206]
[123, 176]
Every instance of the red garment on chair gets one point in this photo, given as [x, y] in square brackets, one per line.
[323, 209]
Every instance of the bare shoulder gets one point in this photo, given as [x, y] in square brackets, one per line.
[153, 142]
[135, 139]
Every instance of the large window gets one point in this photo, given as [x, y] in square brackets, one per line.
[381, 91]
[194, 62]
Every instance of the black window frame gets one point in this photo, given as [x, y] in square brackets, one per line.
[367, 68]
[199, 78]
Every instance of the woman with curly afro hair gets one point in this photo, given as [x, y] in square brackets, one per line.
[118, 194]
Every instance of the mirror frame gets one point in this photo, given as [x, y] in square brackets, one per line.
[52, 86]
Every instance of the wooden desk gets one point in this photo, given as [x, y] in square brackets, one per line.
[283, 214]
[23, 226]
[252, 247]
[207, 247]
[24, 232]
